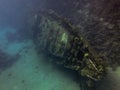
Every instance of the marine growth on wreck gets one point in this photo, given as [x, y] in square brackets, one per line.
[56, 37]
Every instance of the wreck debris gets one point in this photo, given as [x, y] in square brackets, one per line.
[58, 38]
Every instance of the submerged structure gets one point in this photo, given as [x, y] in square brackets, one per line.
[56, 37]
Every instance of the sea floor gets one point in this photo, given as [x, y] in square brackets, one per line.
[33, 71]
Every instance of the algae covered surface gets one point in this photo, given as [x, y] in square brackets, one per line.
[72, 51]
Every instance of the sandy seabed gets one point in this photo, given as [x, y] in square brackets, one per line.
[31, 72]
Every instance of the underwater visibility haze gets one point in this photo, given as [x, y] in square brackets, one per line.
[60, 45]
